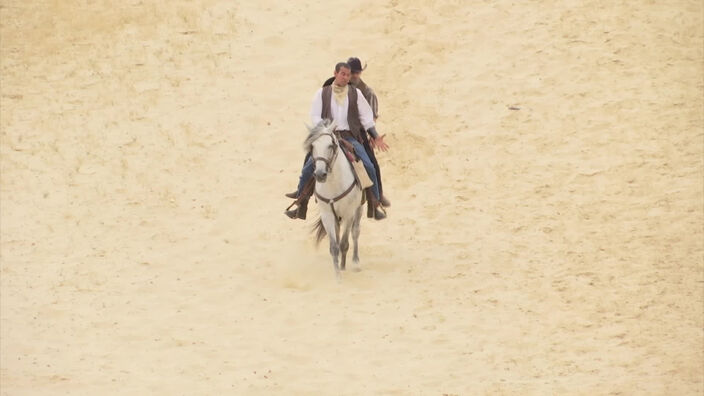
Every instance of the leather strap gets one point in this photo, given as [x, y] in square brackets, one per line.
[337, 198]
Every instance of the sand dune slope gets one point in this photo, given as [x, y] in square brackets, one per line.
[546, 173]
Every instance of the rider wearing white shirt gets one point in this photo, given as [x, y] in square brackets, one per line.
[333, 102]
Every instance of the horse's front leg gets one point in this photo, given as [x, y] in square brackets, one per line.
[356, 222]
[329, 224]
[334, 252]
[345, 245]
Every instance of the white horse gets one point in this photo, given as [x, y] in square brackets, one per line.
[339, 196]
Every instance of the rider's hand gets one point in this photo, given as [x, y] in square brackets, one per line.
[379, 143]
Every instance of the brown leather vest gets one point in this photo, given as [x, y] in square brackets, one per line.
[352, 111]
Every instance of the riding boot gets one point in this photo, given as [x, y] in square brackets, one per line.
[303, 209]
[370, 199]
[292, 195]
[300, 212]
[373, 209]
[302, 201]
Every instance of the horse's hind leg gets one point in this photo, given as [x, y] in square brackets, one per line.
[355, 237]
[344, 246]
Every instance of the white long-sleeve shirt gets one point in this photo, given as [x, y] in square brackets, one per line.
[339, 112]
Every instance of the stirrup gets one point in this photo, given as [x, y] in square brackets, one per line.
[298, 213]
[379, 213]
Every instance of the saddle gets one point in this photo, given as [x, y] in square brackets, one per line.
[360, 174]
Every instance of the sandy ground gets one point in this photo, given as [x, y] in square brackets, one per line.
[553, 249]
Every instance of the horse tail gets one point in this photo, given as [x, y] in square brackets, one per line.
[319, 230]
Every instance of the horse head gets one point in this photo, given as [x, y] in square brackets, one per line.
[323, 147]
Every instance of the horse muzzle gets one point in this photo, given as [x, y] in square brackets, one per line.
[320, 177]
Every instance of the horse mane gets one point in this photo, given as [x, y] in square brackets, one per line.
[315, 132]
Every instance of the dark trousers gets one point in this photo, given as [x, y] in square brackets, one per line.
[372, 157]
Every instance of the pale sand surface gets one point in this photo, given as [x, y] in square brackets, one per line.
[555, 249]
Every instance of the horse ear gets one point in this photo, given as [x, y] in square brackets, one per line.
[332, 125]
[308, 127]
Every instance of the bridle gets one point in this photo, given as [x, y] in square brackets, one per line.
[335, 150]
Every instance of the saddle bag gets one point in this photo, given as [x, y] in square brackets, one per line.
[362, 176]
